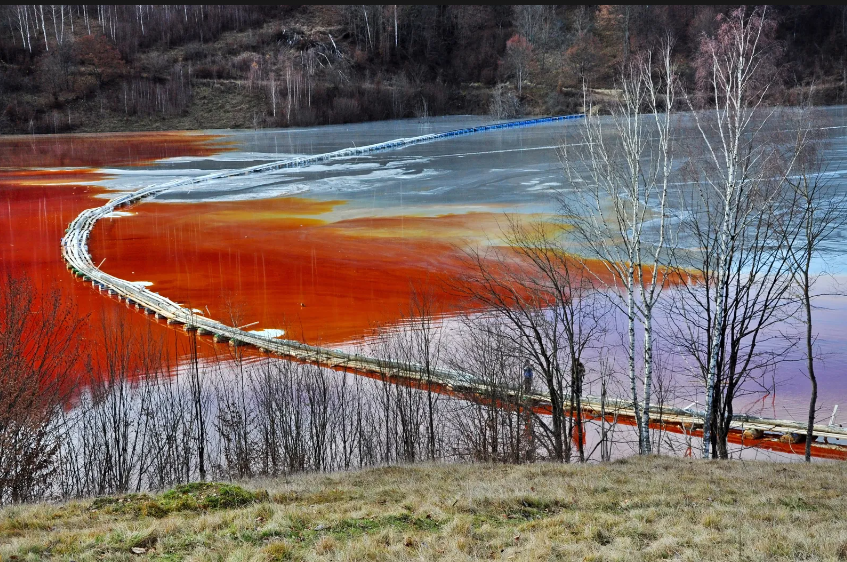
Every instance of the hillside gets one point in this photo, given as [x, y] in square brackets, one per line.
[79, 68]
[635, 509]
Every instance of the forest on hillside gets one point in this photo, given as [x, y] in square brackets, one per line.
[76, 68]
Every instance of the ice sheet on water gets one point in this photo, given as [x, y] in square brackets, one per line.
[408, 161]
[340, 180]
[506, 150]
[146, 173]
[112, 194]
[341, 165]
[435, 190]
[546, 186]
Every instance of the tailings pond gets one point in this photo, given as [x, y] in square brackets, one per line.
[324, 253]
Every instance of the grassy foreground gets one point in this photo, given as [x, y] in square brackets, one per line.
[636, 509]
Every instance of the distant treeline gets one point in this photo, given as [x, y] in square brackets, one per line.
[95, 67]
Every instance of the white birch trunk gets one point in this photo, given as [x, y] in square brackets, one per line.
[43, 27]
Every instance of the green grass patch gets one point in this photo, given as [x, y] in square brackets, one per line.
[349, 528]
[797, 503]
[199, 496]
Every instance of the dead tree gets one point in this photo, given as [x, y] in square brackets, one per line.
[425, 339]
[490, 428]
[38, 356]
[548, 303]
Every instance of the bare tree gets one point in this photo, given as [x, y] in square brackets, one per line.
[815, 212]
[620, 178]
[578, 306]
[198, 399]
[608, 416]
[426, 345]
[518, 58]
[235, 419]
[534, 22]
[38, 356]
[548, 303]
[756, 278]
[120, 403]
[503, 104]
[735, 69]
[491, 428]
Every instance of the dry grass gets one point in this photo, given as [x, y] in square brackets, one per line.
[638, 509]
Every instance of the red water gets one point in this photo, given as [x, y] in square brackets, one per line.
[36, 204]
[278, 263]
[101, 149]
[284, 264]
[287, 263]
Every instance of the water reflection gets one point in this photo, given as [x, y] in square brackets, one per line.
[324, 252]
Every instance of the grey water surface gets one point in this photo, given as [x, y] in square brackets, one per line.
[508, 171]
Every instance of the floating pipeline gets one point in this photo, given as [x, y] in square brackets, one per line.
[75, 242]
[75, 252]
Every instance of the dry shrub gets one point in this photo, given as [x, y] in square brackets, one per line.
[37, 353]
[278, 551]
[326, 545]
[712, 520]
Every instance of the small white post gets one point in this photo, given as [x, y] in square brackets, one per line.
[832, 418]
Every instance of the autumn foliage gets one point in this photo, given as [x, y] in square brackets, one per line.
[98, 54]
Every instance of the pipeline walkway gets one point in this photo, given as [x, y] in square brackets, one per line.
[766, 433]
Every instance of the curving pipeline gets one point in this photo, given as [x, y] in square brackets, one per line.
[79, 262]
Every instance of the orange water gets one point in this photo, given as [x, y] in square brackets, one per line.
[101, 149]
[37, 201]
[286, 264]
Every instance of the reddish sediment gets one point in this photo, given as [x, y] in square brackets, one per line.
[286, 264]
[277, 264]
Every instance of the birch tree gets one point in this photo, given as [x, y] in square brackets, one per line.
[753, 297]
[735, 71]
[620, 171]
[518, 56]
